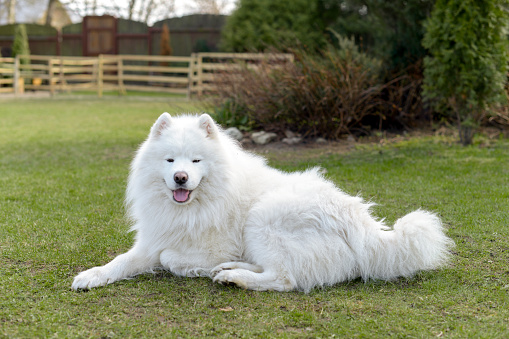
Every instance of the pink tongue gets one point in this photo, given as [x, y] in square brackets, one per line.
[181, 195]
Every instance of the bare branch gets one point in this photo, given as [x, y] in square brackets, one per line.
[132, 3]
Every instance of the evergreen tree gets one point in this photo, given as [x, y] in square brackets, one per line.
[20, 43]
[258, 25]
[165, 41]
[165, 47]
[466, 70]
[390, 30]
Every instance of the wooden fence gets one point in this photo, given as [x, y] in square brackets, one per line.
[122, 73]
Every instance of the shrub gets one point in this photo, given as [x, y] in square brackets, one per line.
[402, 97]
[228, 113]
[499, 117]
[327, 95]
[466, 70]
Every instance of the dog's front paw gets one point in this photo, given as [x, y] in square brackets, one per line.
[91, 278]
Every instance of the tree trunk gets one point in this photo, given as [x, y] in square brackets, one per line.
[466, 124]
[466, 135]
[11, 12]
[49, 12]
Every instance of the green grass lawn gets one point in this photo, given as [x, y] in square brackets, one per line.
[63, 170]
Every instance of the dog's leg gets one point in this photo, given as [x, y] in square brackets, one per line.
[185, 264]
[124, 266]
[255, 281]
[235, 265]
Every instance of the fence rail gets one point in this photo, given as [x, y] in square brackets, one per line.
[194, 75]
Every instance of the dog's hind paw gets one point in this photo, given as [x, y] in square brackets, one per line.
[235, 265]
[218, 269]
[257, 281]
[230, 278]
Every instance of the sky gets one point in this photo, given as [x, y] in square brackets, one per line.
[30, 13]
[181, 8]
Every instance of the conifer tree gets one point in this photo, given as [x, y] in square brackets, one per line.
[165, 43]
[20, 43]
[465, 72]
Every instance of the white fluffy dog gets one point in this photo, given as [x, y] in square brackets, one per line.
[202, 206]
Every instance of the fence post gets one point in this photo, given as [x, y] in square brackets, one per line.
[16, 76]
[50, 77]
[190, 75]
[120, 75]
[199, 67]
[100, 76]
[61, 74]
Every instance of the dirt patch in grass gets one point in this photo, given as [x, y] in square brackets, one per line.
[309, 149]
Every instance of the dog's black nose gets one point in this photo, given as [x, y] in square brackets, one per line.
[180, 178]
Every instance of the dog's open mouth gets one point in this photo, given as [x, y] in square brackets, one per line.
[181, 195]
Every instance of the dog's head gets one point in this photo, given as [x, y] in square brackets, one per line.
[181, 149]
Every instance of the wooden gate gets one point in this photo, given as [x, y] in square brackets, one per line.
[99, 33]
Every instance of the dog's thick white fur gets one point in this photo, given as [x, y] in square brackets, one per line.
[202, 206]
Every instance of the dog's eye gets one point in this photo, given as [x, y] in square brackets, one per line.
[169, 160]
[196, 161]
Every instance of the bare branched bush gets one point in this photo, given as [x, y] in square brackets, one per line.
[316, 96]
[402, 96]
[339, 92]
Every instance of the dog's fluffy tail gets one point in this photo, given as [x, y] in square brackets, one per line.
[417, 243]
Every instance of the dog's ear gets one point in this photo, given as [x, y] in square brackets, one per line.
[207, 124]
[162, 123]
